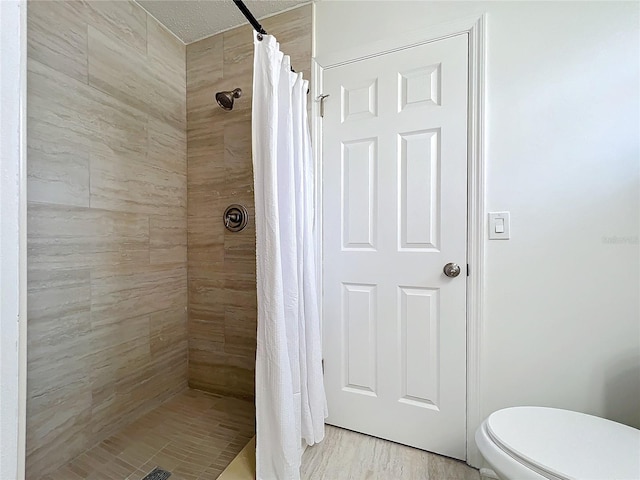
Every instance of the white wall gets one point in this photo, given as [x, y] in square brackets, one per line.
[12, 239]
[562, 306]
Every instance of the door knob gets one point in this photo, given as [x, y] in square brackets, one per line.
[451, 270]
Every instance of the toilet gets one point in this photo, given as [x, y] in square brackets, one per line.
[538, 443]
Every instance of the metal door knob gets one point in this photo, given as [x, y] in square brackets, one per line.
[451, 270]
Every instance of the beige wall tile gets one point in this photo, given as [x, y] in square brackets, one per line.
[206, 132]
[125, 292]
[167, 55]
[62, 444]
[206, 331]
[57, 174]
[238, 60]
[168, 329]
[58, 333]
[204, 115]
[225, 379]
[122, 19]
[240, 250]
[205, 62]
[167, 146]
[240, 330]
[64, 111]
[107, 219]
[130, 184]
[240, 290]
[57, 36]
[237, 156]
[67, 122]
[127, 75]
[55, 294]
[206, 169]
[58, 387]
[206, 286]
[206, 230]
[66, 237]
[119, 350]
[222, 284]
[167, 239]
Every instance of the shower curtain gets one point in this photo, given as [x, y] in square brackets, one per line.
[290, 398]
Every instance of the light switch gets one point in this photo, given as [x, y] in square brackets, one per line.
[499, 226]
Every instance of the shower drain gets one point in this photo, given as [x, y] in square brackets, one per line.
[157, 474]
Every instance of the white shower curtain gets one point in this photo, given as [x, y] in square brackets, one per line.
[290, 398]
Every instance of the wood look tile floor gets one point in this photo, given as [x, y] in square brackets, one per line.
[347, 455]
[194, 435]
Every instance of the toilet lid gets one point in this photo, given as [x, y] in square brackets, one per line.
[560, 444]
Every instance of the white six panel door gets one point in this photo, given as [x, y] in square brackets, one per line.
[394, 213]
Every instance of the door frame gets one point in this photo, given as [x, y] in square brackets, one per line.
[475, 28]
[13, 240]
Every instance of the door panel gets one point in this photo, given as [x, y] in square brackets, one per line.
[394, 213]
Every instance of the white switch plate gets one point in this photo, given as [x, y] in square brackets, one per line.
[496, 219]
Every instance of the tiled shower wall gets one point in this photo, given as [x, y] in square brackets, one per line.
[107, 220]
[222, 282]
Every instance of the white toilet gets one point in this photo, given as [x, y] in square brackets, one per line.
[537, 443]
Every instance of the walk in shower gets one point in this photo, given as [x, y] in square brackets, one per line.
[141, 304]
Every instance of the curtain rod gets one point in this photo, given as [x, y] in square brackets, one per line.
[249, 16]
[252, 20]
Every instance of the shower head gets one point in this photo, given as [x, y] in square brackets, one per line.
[225, 99]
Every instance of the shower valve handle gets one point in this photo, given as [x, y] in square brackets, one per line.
[235, 217]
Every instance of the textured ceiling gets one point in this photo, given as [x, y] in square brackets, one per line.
[191, 20]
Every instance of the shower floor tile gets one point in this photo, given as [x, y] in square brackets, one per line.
[195, 435]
